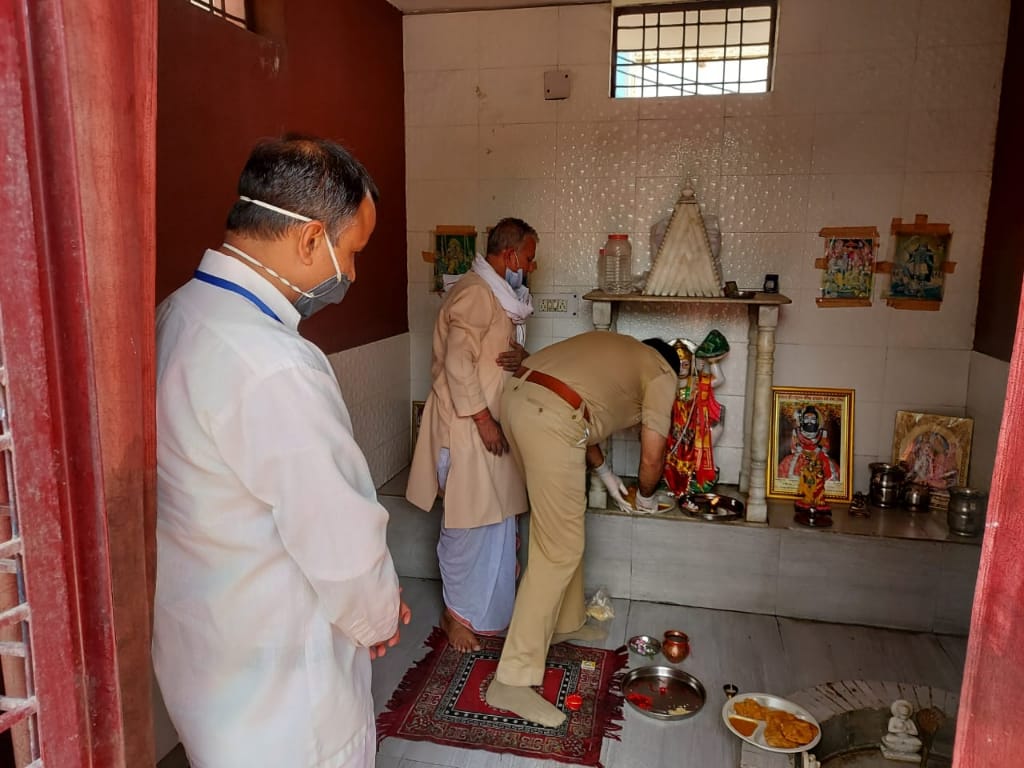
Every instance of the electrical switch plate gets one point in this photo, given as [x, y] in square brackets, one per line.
[556, 84]
[556, 304]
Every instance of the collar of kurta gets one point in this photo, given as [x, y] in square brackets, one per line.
[230, 268]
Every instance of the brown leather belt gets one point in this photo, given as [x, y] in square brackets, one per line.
[560, 388]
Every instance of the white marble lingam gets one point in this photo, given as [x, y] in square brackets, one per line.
[901, 743]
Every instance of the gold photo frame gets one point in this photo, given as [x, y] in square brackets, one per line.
[811, 420]
[935, 448]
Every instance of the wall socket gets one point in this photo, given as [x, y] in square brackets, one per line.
[556, 304]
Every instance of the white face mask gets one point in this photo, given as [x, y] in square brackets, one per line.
[330, 291]
[514, 278]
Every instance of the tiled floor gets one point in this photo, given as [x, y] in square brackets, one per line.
[756, 652]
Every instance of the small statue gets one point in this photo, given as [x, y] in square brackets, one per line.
[809, 463]
[696, 417]
[901, 742]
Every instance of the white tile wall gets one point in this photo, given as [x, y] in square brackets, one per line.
[986, 396]
[374, 380]
[879, 110]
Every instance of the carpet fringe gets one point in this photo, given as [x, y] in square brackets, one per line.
[402, 699]
[610, 717]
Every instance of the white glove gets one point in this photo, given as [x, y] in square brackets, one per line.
[646, 505]
[615, 487]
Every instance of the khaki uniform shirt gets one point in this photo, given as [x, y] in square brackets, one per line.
[622, 381]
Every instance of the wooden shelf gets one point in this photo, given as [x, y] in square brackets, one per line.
[758, 299]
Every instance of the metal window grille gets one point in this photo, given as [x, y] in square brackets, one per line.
[233, 11]
[693, 48]
[19, 707]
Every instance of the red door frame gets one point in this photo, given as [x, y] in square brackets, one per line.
[44, 308]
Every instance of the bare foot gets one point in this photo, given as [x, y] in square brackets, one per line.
[522, 700]
[460, 637]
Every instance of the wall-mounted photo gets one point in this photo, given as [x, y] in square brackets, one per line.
[918, 266]
[936, 449]
[811, 433]
[454, 251]
[849, 266]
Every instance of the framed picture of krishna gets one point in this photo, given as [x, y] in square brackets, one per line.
[810, 449]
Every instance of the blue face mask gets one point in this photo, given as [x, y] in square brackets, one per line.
[514, 279]
[330, 291]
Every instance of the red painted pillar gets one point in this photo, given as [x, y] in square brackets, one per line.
[76, 334]
[989, 729]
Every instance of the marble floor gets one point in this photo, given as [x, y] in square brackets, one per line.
[755, 652]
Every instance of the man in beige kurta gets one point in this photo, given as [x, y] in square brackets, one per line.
[556, 411]
[461, 449]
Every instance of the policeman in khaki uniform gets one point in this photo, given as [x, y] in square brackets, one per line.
[555, 413]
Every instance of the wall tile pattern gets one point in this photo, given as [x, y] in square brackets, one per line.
[879, 109]
[374, 381]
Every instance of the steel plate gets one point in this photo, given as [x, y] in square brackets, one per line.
[671, 693]
[714, 506]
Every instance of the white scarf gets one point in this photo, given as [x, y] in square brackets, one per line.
[517, 303]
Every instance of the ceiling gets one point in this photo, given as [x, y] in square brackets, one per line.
[440, 6]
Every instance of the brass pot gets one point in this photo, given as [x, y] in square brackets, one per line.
[965, 515]
[886, 483]
[916, 497]
[675, 645]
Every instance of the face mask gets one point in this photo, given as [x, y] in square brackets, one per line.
[514, 279]
[330, 291]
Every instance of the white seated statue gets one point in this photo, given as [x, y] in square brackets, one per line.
[901, 742]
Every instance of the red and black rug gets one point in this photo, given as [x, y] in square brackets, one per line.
[441, 699]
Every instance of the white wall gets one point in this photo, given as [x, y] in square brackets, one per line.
[881, 108]
[374, 381]
[986, 396]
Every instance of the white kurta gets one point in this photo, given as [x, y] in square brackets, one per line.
[273, 573]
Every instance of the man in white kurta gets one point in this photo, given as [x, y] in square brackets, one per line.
[274, 580]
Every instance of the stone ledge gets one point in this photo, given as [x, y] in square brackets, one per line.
[832, 575]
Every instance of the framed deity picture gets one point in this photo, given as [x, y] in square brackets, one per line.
[454, 251]
[811, 427]
[416, 418]
[919, 263]
[935, 448]
[849, 266]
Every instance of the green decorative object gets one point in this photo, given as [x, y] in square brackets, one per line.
[713, 346]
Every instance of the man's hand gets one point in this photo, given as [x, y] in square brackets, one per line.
[404, 617]
[490, 433]
[616, 488]
[513, 358]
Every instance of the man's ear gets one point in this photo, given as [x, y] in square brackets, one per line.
[309, 233]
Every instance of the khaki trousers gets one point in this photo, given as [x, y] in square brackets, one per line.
[545, 433]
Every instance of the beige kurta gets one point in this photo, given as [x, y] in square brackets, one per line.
[471, 331]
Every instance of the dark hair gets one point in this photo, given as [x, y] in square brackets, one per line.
[509, 233]
[666, 350]
[303, 174]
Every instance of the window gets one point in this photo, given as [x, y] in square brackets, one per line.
[232, 11]
[695, 47]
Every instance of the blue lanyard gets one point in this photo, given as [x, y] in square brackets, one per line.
[245, 293]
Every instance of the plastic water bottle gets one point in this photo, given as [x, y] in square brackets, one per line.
[618, 264]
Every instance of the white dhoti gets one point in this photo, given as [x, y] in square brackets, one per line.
[478, 574]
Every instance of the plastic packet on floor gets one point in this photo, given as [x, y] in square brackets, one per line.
[599, 607]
